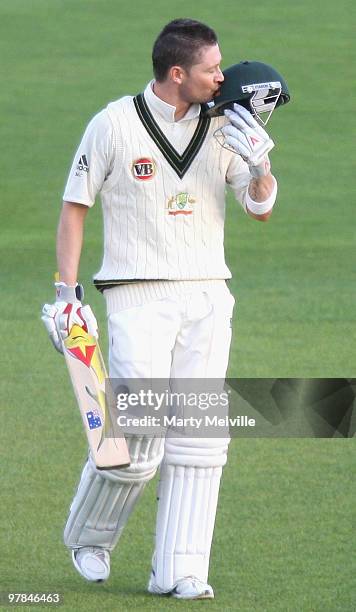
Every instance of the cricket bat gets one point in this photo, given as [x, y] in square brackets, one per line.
[88, 373]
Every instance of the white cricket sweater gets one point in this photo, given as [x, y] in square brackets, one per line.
[162, 187]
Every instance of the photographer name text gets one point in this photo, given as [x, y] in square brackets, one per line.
[193, 422]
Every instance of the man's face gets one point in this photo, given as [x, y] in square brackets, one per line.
[202, 81]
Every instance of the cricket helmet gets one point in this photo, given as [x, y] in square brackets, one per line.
[255, 85]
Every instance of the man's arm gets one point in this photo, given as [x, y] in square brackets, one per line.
[68, 309]
[70, 240]
[91, 165]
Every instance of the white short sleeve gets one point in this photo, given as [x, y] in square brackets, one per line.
[92, 162]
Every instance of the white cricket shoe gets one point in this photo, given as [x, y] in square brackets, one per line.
[185, 588]
[92, 563]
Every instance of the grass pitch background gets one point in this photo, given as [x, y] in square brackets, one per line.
[282, 538]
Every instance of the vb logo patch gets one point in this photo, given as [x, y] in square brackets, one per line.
[143, 169]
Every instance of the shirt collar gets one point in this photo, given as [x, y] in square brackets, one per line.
[166, 111]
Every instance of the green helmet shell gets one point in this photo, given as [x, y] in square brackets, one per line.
[255, 85]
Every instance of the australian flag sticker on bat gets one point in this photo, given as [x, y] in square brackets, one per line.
[94, 420]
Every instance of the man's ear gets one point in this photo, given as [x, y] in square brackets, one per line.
[177, 74]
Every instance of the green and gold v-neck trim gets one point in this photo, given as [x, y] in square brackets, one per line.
[179, 163]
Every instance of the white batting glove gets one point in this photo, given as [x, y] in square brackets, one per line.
[67, 311]
[247, 138]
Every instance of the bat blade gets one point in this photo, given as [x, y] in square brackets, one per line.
[88, 375]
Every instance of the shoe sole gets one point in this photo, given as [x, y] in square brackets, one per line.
[172, 594]
[190, 598]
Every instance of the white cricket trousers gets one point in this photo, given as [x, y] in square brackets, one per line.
[187, 336]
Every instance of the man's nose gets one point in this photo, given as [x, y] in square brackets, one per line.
[220, 77]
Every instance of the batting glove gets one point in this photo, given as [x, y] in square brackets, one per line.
[247, 138]
[67, 311]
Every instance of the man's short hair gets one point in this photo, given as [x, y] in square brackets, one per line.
[179, 44]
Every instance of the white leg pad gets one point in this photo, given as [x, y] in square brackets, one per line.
[187, 501]
[105, 499]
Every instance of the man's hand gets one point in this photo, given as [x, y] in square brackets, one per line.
[247, 138]
[67, 310]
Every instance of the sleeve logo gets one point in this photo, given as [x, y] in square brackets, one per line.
[82, 165]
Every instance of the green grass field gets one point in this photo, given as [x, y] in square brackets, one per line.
[283, 533]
